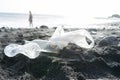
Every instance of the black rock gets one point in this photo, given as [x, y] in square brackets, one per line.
[3, 29]
[44, 27]
[115, 15]
[54, 27]
[19, 38]
[108, 41]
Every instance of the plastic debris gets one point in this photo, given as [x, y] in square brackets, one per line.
[31, 50]
[59, 40]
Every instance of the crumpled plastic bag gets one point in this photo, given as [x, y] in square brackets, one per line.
[58, 41]
[78, 37]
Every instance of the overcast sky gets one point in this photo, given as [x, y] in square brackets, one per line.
[73, 8]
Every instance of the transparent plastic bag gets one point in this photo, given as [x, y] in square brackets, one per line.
[31, 50]
[59, 40]
[78, 37]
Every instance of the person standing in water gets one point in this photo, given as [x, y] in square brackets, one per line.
[30, 19]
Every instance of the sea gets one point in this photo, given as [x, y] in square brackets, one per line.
[20, 20]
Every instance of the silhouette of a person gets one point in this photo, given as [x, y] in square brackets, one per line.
[30, 19]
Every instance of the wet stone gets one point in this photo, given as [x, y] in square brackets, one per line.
[109, 41]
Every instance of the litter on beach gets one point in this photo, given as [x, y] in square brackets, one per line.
[58, 41]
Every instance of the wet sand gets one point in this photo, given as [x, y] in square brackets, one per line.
[71, 63]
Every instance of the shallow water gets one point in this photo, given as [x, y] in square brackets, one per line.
[18, 20]
[21, 20]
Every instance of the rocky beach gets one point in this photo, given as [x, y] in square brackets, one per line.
[71, 63]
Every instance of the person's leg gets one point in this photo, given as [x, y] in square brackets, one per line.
[30, 24]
